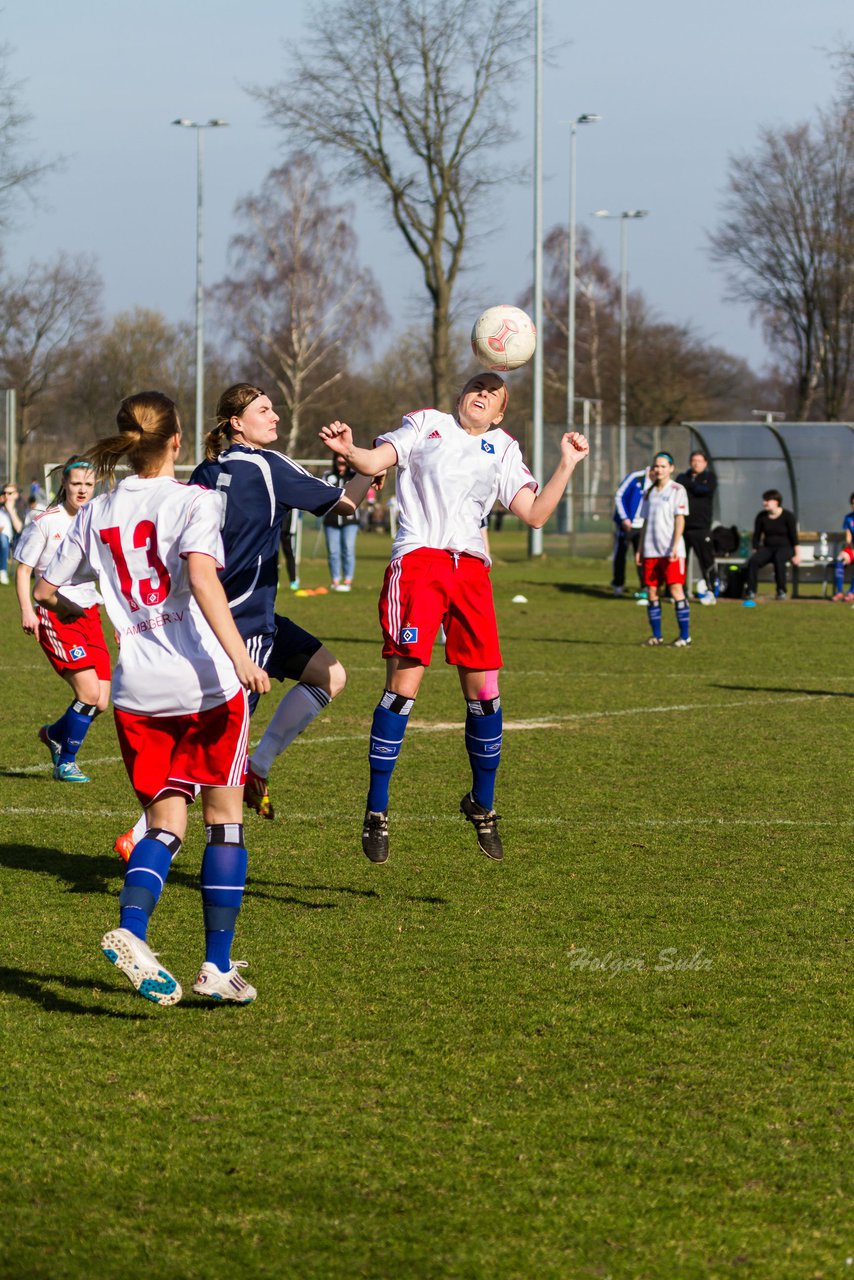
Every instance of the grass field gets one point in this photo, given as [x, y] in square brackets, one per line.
[624, 1052]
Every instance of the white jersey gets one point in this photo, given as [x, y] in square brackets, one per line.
[134, 540]
[448, 482]
[38, 545]
[659, 510]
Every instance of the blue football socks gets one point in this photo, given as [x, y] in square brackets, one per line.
[223, 882]
[683, 616]
[145, 877]
[653, 610]
[391, 717]
[483, 744]
[72, 729]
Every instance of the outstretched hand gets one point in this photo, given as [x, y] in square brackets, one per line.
[337, 437]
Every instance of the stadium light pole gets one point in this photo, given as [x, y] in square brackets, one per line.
[535, 536]
[624, 294]
[200, 288]
[586, 118]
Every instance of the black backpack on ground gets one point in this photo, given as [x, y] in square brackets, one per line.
[725, 540]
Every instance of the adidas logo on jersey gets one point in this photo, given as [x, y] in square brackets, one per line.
[435, 435]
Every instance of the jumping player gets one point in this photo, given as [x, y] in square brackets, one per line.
[451, 470]
[661, 553]
[260, 487]
[76, 650]
[179, 687]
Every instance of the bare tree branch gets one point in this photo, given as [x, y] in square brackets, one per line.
[411, 96]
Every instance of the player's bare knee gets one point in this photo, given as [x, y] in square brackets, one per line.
[337, 680]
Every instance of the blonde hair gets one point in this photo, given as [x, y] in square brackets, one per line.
[147, 422]
[231, 404]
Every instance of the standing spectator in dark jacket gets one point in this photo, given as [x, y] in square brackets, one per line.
[700, 483]
[775, 541]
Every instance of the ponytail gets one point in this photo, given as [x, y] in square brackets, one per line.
[147, 422]
[231, 404]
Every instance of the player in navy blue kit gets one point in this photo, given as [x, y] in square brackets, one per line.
[260, 487]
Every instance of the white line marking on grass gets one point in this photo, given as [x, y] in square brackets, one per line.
[403, 819]
[527, 726]
[555, 722]
[48, 768]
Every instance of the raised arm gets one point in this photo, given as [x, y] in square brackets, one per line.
[338, 438]
[535, 510]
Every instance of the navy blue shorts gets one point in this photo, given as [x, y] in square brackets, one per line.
[284, 655]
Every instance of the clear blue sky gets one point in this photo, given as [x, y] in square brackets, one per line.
[680, 87]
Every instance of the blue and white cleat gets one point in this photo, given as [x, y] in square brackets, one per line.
[216, 985]
[69, 772]
[140, 966]
[54, 747]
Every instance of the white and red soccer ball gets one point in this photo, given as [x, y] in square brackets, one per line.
[503, 338]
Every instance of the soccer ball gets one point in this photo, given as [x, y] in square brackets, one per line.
[503, 338]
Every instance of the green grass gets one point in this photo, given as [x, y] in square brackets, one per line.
[456, 1068]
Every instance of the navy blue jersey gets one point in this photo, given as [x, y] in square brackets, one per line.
[260, 488]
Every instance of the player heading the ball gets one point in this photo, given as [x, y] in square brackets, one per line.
[451, 469]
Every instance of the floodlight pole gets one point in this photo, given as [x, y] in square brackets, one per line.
[200, 287]
[586, 118]
[535, 536]
[624, 313]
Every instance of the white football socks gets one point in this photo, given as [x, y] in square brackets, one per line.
[295, 712]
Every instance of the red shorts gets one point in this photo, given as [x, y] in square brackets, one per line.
[179, 753]
[846, 555]
[661, 571]
[426, 589]
[75, 646]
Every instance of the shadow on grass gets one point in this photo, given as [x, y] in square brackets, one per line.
[82, 873]
[30, 774]
[579, 589]
[34, 987]
[373, 641]
[87, 873]
[254, 892]
[773, 688]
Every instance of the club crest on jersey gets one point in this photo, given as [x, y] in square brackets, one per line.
[77, 652]
[408, 635]
[487, 447]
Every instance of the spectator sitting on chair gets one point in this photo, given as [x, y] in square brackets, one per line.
[845, 557]
[700, 483]
[775, 541]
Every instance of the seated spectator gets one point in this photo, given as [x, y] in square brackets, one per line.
[845, 557]
[775, 541]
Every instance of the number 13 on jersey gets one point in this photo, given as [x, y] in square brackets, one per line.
[143, 591]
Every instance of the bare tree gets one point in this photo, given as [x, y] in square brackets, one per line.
[412, 96]
[46, 318]
[18, 173]
[787, 243]
[299, 304]
[138, 349]
[672, 372]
